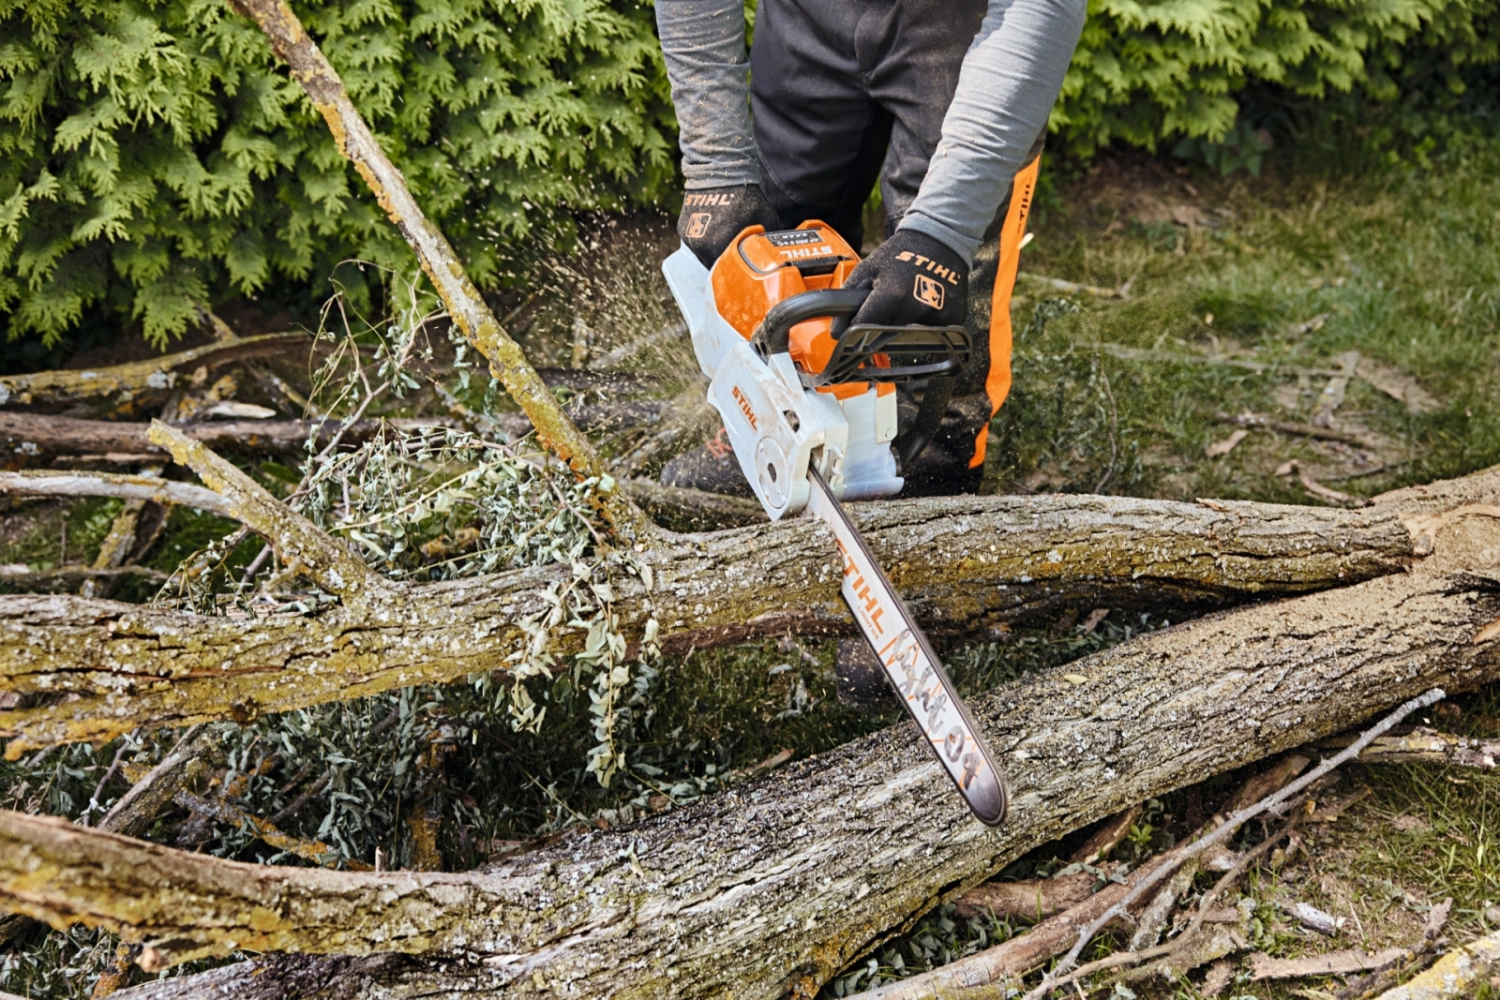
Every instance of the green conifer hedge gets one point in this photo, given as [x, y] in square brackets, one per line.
[151, 153]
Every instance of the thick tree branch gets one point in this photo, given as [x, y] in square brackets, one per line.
[291, 43]
[771, 887]
[47, 389]
[75, 669]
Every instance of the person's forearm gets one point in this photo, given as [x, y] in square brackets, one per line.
[1010, 79]
[704, 45]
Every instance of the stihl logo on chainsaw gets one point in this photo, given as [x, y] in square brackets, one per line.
[745, 408]
[698, 224]
[870, 604]
[928, 292]
[799, 252]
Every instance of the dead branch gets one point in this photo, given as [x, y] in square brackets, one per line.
[693, 510]
[148, 489]
[34, 436]
[86, 669]
[291, 44]
[1122, 293]
[1008, 961]
[73, 577]
[1333, 963]
[138, 808]
[1021, 954]
[1032, 900]
[55, 388]
[228, 813]
[1108, 837]
[1125, 353]
[1298, 430]
[1061, 975]
[1427, 746]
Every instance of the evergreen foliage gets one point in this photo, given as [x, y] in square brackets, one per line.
[152, 153]
[1146, 71]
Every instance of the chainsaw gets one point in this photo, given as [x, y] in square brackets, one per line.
[809, 403]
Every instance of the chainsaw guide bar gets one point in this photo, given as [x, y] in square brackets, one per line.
[910, 664]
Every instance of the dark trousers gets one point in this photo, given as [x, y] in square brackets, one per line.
[847, 92]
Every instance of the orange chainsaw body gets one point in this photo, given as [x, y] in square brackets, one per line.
[761, 269]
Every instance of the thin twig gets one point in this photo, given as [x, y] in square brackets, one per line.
[1223, 831]
[114, 768]
[1114, 426]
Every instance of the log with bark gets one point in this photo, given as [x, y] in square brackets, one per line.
[157, 375]
[774, 886]
[72, 668]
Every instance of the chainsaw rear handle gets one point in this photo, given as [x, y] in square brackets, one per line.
[776, 329]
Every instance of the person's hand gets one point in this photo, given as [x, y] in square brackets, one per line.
[913, 279]
[713, 217]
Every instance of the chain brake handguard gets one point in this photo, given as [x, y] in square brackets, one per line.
[910, 352]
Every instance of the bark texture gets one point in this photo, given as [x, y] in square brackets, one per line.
[772, 887]
[73, 668]
[149, 489]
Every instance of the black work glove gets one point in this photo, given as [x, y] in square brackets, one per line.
[712, 217]
[913, 279]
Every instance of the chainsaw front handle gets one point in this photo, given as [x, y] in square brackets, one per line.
[774, 335]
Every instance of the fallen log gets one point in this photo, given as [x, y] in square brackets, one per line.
[59, 388]
[773, 886]
[1458, 974]
[1422, 745]
[72, 668]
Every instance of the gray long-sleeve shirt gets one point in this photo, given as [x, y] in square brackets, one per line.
[1009, 80]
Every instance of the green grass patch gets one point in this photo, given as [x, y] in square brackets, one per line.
[1403, 267]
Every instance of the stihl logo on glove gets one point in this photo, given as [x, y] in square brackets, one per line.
[698, 224]
[946, 273]
[928, 292]
[717, 198]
